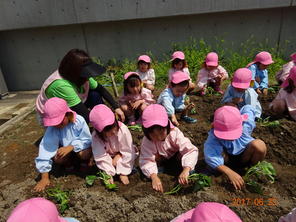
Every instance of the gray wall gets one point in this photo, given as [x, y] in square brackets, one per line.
[32, 42]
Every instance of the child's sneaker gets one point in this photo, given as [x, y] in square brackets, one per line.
[188, 119]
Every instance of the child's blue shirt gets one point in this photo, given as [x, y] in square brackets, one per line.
[170, 102]
[76, 134]
[262, 74]
[250, 97]
[214, 147]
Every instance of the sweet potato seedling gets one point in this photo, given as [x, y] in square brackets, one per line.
[90, 179]
[59, 196]
[262, 173]
[267, 123]
[105, 178]
[199, 181]
[135, 128]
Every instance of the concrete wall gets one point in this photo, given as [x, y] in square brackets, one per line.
[123, 28]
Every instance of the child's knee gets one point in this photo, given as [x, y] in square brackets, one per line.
[278, 106]
[259, 146]
[85, 154]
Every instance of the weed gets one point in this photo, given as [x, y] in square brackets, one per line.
[266, 123]
[200, 181]
[262, 173]
[60, 196]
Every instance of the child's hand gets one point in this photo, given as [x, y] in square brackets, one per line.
[190, 106]
[265, 91]
[236, 180]
[237, 100]
[258, 91]
[42, 184]
[119, 113]
[175, 121]
[111, 181]
[137, 104]
[156, 183]
[124, 179]
[183, 177]
[64, 151]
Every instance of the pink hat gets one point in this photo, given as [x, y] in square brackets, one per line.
[35, 210]
[101, 116]
[54, 111]
[293, 57]
[179, 76]
[212, 59]
[228, 123]
[209, 212]
[144, 58]
[155, 114]
[242, 78]
[292, 76]
[178, 55]
[128, 74]
[264, 58]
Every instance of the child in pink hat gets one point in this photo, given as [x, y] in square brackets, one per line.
[112, 145]
[179, 64]
[282, 75]
[66, 132]
[145, 72]
[135, 98]
[173, 98]
[212, 74]
[290, 217]
[239, 92]
[286, 97]
[161, 142]
[259, 71]
[231, 139]
[37, 210]
[208, 212]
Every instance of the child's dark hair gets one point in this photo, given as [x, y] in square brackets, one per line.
[176, 61]
[290, 88]
[182, 84]
[147, 131]
[106, 129]
[141, 61]
[132, 82]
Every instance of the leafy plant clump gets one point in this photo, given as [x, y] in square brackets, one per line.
[200, 181]
[262, 173]
[90, 179]
[59, 196]
[267, 123]
[137, 128]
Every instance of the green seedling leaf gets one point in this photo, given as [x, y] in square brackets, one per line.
[60, 196]
[267, 123]
[135, 128]
[105, 178]
[90, 179]
[193, 111]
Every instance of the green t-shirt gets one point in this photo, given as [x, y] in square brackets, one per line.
[67, 90]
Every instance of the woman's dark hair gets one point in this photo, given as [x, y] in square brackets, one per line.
[132, 82]
[149, 130]
[106, 129]
[290, 87]
[141, 61]
[182, 84]
[71, 66]
[176, 61]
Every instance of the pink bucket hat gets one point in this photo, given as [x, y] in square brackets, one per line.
[292, 76]
[293, 56]
[35, 210]
[179, 76]
[228, 123]
[264, 58]
[101, 116]
[155, 114]
[212, 59]
[209, 212]
[178, 55]
[54, 111]
[242, 78]
[144, 58]
[128, 74]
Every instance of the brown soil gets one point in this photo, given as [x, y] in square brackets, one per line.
[137, 201]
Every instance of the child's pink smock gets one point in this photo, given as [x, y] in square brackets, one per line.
[174, 142]
[205, 75]
[104, 152]
[145, 94]
[290, 100]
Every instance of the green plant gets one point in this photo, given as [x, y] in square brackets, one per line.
[266, 123]
[137, 128]
[105, 178]
[60, 196]
[262, 173]
[90, 179]
[199, 182]
[273, 89]
[210, 92]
